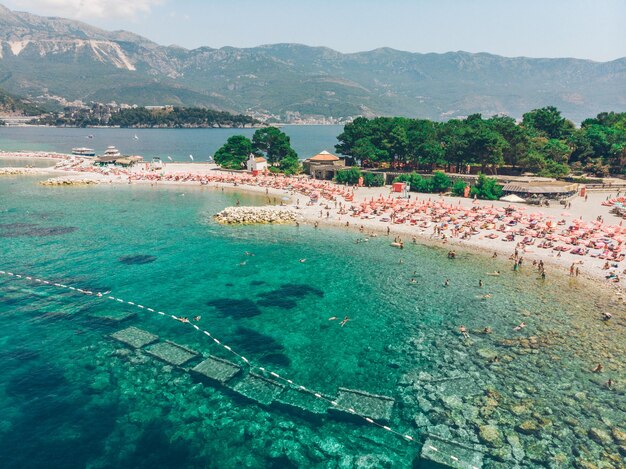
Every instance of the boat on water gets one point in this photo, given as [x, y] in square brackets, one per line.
[83, 151]
[111, 152]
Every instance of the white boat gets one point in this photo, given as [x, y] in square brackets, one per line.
[156, 164]
[112, 152]
[83, 151]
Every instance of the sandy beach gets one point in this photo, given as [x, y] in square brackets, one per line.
[332, 209]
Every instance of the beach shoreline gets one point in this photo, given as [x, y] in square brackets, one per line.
[326, 214]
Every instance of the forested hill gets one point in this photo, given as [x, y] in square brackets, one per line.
[141, 117]
[289, 80]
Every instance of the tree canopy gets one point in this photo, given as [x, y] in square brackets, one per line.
[544, 143]
[234, 153]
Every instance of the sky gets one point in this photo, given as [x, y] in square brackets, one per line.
[588, 29]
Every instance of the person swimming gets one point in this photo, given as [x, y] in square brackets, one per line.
[333, 318]
[302, 261]
[344, 321]
[197, 318]
[446, 283]
[495, 273]
[464, 332]
[521, 326]
[480, 283]
[598, 369]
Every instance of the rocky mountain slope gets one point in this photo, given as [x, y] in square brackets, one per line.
[61, 57]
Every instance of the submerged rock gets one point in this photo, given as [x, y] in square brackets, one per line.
[490, 435]
[619, 435]
[528, 427]
[600, 436]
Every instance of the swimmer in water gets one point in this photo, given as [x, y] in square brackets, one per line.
[197, 318]
[446, 283]
[487, 330]
[243, 263]
[345, 321]
[598, 369]
[521, 326]
[413, 280]
[487, 296]
[464, 332]
[606, 316]
[480, 283]
[302, 261]
[333, 318]
[494, 274]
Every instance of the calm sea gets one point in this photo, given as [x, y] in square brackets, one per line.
[178, 143]
[71, 396]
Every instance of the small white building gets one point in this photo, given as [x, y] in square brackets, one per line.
[256, 163]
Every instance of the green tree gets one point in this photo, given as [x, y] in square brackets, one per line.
[234, 153]
[274, 144]
[290, 165]
[548, 122]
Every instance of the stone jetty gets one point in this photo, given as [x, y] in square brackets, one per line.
[255, 215]
[68, 181]
[17, 171]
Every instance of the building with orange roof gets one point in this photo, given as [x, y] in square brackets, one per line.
[324, 165]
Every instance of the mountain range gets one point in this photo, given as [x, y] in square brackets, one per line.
[43, 57]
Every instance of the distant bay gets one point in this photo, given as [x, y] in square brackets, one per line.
[307, 140]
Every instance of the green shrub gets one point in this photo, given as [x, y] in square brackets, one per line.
[486, 188]
[458, 188]
[373, 180]
[440, 182]
[348, 176]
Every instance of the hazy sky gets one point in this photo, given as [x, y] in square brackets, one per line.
[592, 29]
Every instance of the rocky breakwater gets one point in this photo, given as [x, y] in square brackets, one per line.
[69, 181]
[17, 171]
[255, 215]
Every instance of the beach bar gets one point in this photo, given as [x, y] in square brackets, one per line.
[541, 189]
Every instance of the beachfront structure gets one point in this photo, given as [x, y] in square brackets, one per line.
[113, 156]
[324, 165]
[256, 163]
[541, 189]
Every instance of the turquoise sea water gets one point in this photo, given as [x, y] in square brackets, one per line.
[307, 140]
[72, 397]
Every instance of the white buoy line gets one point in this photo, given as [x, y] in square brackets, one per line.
[316, 394]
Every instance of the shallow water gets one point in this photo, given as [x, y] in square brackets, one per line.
[72, 397]
[26, 162]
